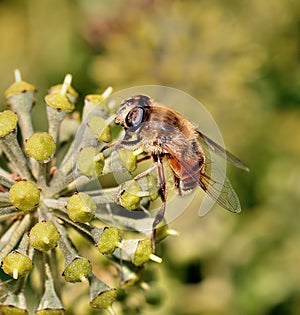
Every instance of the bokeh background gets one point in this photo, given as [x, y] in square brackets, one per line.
[241, 59]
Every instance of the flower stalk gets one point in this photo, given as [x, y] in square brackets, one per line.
[20, 97]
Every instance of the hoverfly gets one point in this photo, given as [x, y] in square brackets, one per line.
[163, 133]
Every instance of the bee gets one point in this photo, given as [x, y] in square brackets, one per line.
[165, 134]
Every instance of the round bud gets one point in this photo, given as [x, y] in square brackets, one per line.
[104, 299]
[40, 146]
[50, 311]
[77, 270]
[100, 129]
[128, 159]
[81, 207]
[109, 240]
[19, 87]
[130, 199]
[44, 236]
[24, 196]
[16, 264]
[71, 92]
[90, 162]
[143, 252]
[152, 186]
[12, 310]
[59, 101]
[95, 99]
[8, 122]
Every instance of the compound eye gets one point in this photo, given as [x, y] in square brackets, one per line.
[135, 117]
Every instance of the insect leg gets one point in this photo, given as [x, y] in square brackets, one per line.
[126, 141]
[120, 143]
[163, 196]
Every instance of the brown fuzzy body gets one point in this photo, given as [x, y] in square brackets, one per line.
[165, 132]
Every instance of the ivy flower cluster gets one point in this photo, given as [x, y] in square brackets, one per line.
[54, 183]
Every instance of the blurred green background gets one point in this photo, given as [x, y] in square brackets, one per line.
[241, 59]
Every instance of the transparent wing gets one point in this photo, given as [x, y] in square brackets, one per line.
[214, 181]
[216, 148]
[212, 178]
[221, 192]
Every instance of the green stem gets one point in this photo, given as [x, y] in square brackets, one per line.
[22, 104]
[24, 244]
[59, 184]
[8, 212]
[80, 181]
[20, 285]
[54, 271]
[67, 163]
[43, 174]
[15, 155]
[5, 181]
[65, 244]
[55, 117]
[4, 198]
[19, 230]
[5, 174]
[8, 234]
[56, 204]
[82, 228]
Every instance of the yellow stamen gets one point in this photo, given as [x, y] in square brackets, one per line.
[15, 274]
[18, 77]
[66, 84]
[155, 258]
[107, 92]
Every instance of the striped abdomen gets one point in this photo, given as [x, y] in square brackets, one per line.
[187, 170]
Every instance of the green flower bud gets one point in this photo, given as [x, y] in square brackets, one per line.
[130, 199]
[24, 196]
[101, 295]
[95, 99]
[59, 101]
[8, 122]
[14, 303]
[78, 270]
[12, 310]
[90, 162]
[138, 251]
[71, 92]
[19, 87]
[143, 252]
[81, 207]
[44, 236]
[40, 146]
[128, 159]
[152, 187]
[51, 312]
[104, 299]
[109, 240]
[100, 128]
[16, 264]
[95, 102]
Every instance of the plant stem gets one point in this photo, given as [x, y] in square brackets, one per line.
[15, 155]
[19, 230]
[8, 212]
